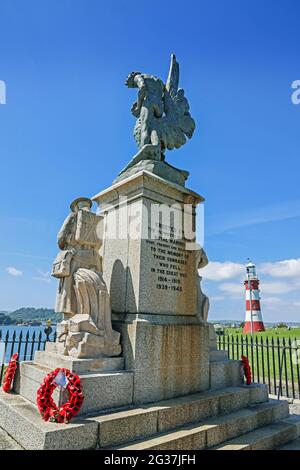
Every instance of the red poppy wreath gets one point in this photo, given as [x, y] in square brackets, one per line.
[46, 405]
[10, 373]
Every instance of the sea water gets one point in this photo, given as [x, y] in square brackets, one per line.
[7, 349]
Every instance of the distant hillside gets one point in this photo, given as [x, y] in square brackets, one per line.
[31, 313]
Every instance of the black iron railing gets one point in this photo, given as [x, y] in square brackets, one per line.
[273, 361]
[24, 343]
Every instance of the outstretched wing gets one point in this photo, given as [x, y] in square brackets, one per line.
[173, 77]
[177, 124]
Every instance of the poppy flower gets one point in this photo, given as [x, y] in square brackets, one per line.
[247, 369]
[10, 373]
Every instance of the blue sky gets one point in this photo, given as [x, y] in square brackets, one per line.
[66, 130]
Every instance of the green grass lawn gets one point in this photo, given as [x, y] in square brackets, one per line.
[271, 332]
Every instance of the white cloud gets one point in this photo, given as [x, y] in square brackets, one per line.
[234, 289]
[13, 271]
[42, 279]
[272, 300]
[220, 223]
[216, 271]
[216, 298]
[278, 287]
[275, 303]
[287, 268]
[44, 276]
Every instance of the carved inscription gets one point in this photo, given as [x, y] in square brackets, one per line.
[169, 258]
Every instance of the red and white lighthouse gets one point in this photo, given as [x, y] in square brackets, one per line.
[254, 322]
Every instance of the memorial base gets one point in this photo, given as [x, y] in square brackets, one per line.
[169, 356]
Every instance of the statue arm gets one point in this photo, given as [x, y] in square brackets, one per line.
[141, 97]
[65, 231]
[203, 260]
[140, 82]
[99, 262]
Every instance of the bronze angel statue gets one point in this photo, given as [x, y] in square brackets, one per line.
[162, 112]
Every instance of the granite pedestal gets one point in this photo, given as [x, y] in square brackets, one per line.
[149, 266]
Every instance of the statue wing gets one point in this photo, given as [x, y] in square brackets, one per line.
[173, 77]
[177, 124]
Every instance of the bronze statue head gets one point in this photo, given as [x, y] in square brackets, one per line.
[130, 79]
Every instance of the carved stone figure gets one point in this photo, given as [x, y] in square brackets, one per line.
[162, 112]
[202, 299]
[82, 296]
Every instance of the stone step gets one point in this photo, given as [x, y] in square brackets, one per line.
[22, 421]
[7, 442]
[293, 445]
[217, 355]
[130, 424]
[225, 373]
[102, 391]
[272, 436]
[50, 358]
[214, 431]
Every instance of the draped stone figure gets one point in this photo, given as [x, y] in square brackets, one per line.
[82, 296]
[202, 299]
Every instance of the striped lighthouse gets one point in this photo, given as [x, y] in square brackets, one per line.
[254, 322]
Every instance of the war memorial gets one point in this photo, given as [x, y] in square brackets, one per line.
[135, 324]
